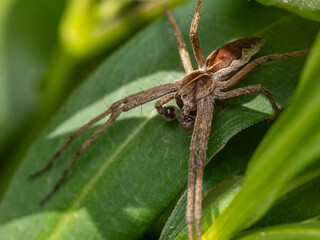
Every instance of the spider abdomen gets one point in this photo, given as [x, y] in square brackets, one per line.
[226, 60]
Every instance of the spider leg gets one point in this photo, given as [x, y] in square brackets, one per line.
[96, 134]
[168, 113]
[256, 63]
[198, 148]
[183, 51]
[186, 121]
[115, 110]
[73, 136]
[194, 36]
[251, 89]
[190, 200]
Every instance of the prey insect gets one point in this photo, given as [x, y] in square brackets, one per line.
[195, 96]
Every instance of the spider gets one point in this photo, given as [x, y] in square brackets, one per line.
[195, 96]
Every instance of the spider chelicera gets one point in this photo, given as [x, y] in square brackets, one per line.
[195, 95]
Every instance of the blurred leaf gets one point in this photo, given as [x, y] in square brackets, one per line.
[38, 70]
[302, 203]
[87, 33]
[228, 163]
[289, 147]
[214, 210]
[309, 9]
[26, 38]
[90, 26]
[308, 231]
[27, 35]
[298, 205]
[135, 170]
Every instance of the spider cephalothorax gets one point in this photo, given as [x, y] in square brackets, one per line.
[195, 95]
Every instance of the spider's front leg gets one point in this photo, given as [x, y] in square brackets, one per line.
[114, 111]
[198, 148]
[194, 36]
[183, 51]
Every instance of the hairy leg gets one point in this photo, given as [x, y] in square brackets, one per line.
[115, 110]
[184, 55]
[198, 148]
[194, 36]
[73, 136]
[168, 113]
[96, 134]
[256, 63]
[248, 90]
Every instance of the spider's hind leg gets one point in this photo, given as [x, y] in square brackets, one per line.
[258, 88]
[198, 147]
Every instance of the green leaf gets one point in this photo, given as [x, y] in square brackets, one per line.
[297, 205]
[308, 231]
[27, 35]
[230, 162]
[136, 169]
[291, 146]
[26, 38]
[213, 211]
[309, 9]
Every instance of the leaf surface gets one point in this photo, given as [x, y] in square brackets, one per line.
[309, 9]
[27, 37]
[290, 147]
[137, 168]
[308, 231]
[227, 166]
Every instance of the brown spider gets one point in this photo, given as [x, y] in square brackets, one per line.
[195, 94]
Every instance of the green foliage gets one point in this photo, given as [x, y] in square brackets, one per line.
[309, 9]
[135, 170]
[27, 36]
[25, 44]
[46, 49]
[306, 231]
[291, 146]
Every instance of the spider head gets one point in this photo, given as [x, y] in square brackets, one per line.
[195, 86]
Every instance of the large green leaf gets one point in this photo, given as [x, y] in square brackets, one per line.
[291, 146]
[27, 34]
[307, 231]
[39, 64]
[123, 182]
[299, 202]
[226, 166]
[308, 9]
[298, 205]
